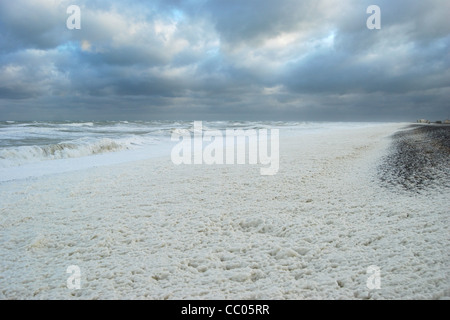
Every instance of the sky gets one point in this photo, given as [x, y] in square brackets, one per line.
[312, 60]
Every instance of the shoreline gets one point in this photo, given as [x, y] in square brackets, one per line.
[153, 230]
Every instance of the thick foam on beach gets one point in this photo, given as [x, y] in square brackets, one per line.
[33, 149]
[150, 229]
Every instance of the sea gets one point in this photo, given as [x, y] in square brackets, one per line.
[34, 148]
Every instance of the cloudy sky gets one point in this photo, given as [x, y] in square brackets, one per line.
[224, 59]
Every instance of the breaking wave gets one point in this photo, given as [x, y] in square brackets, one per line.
[16, 156]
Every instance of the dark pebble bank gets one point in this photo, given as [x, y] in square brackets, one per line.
[419, 158]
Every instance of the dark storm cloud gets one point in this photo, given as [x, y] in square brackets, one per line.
[225, 59]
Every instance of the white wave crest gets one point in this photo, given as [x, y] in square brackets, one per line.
[21, 155]
[79, 124]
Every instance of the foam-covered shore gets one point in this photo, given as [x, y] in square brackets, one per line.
[153, 230]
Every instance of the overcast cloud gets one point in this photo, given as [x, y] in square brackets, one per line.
[206, 60]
